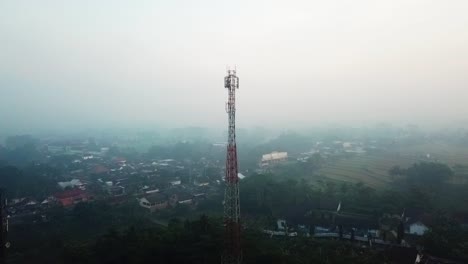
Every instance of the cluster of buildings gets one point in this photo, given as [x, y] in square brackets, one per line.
[338, 147]
[328, 218]
[154, 184]
[325, 149]
[170, 198]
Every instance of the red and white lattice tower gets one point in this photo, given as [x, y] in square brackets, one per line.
[232, 249]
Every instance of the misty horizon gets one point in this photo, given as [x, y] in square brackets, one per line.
[301, 65]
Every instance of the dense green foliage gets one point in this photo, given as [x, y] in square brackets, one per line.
[34, 180]
[446, 238]
[63, 227]
[428, 173]
[200, 241]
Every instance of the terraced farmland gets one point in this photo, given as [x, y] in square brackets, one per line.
[372, 169]
[449, 154]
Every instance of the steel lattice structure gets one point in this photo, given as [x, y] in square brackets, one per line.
[232, 250]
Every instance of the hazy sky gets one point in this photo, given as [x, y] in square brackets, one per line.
[115, 63]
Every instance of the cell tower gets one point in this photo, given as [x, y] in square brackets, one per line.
[232, 249]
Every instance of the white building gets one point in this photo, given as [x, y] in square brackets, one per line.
[273, 157]
[418, 228]
[174, 183]
[154, 202]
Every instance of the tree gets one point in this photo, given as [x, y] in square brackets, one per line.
[428, 173]
[344, 188]
[446, 238]
[35, 180]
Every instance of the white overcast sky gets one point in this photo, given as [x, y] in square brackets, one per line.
[101, 63]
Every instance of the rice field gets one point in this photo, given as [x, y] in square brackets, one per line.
[372, 169]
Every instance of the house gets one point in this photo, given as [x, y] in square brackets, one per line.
[281, 224]
[177, 182]
[99, 169]
[75, 183]
[48, 201]
[202, 181]
[24, 205]
[72, 197]
[362, 224]
[116, 190]
[185, 198]
[178, 195]
[155, 201]
[119, 160]
[199, 196]
[173, 196]
[417, 228]
[151, 191]
[416, 222]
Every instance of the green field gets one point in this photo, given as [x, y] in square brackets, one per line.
[372, 169]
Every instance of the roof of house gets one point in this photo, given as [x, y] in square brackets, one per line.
[119, 159]
[115, 188]
[69, 193]
[202, 179]
[274, 156]
[183, 196]
[356, 221]
[72, 183]
[100, 169]
[156, 198]
[172, 191]
[425, 219]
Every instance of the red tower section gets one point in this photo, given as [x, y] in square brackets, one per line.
[232, 253]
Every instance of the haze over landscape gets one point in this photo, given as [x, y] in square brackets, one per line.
[98, 64]
[124, 138]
